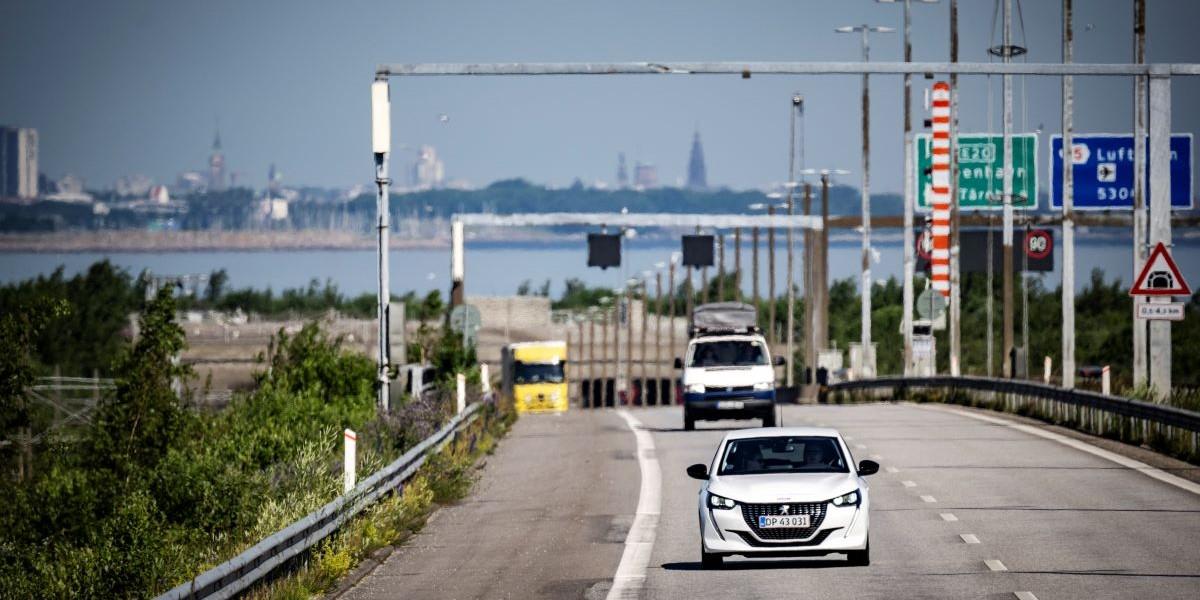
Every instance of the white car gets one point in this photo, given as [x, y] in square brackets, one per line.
[784, 491]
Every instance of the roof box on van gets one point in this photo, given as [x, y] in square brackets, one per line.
[724, 318]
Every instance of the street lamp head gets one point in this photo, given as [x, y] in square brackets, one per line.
[845, 29]
[881, 29]
[757, 205]
[797, 99]
[774, 195]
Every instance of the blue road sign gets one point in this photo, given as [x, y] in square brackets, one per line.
[1104, 171]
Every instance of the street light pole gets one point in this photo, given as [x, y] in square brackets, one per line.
[1007, 237]
[1139, 187]
[1068, 216]
[868, 356]
[658, 333]
[671, 324]
[797, 109]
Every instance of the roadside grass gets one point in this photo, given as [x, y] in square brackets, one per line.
[446, 477]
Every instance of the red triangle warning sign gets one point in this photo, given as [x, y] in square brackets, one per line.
[1160, 276]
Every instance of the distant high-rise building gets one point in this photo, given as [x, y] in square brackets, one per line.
[622, 174]
[216, 166]
[697, 178]
[645, 176]
[428, 172]
[18, 163]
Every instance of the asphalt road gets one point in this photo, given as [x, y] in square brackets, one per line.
[962, 508]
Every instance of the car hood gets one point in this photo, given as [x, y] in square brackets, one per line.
[717, 377]
[783, 487]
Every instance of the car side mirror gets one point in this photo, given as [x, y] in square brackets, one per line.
[868, 467]
[678, 363]
[778, 360]
[698, 471]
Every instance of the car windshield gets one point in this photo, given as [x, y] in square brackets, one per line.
[728, 353]
[793, 454]
[538, 372]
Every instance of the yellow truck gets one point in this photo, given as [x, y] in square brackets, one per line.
[535, 377]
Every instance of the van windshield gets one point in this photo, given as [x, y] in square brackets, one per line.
[728, 353]
[538, 372]
[791, 454]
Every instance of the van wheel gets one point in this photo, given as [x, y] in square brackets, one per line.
[689, 424]
[769, 418]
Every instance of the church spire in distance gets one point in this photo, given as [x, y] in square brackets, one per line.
[697, 177]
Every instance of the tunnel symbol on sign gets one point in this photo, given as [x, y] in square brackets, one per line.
[1106, 172]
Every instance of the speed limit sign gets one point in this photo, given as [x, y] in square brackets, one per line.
[1038, 244]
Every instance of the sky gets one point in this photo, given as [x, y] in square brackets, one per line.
[127, 87]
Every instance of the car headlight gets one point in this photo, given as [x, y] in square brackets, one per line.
[695, 388]
[763, 386]
[850, 499]
[715, 501]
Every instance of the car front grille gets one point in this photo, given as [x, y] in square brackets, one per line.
[815, 541]
[815, 511]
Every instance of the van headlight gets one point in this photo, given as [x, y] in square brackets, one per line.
[694, 388]
[850, 499]
[721, 502]
[763, 386]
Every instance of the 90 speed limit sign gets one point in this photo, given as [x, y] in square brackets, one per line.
[1038, 244]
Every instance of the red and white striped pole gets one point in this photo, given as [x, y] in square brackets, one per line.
[940, 257]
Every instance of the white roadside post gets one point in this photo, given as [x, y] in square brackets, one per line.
[460, 384]
[1047, 369]
[350, 457]
[484, 379]
[1105, 381]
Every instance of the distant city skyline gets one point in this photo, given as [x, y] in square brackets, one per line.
[125, 88]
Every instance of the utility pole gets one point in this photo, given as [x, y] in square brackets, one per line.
[868, 356]
[820, 270]
[955, 276]
[720, 266]
[658, 335]
[754, 264]
[771, 278]
[1007, 237]
[381, 145]
[737, 263]
[642, 395]
[671, 326]
[797, 109]
[810, 340]
[1068, 214]
[1139, 186]
[591, 346]
[909, 192]
[627, 378]
[1160, 224]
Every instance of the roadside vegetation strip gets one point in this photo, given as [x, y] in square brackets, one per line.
[639, 542]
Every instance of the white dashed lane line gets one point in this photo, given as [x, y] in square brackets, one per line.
[860, 447]
[892, 469]
[1025, 596]
[908, 483]
[995, 565]
[928, 499]
[969, 538]
[949, 517]
[876, 457]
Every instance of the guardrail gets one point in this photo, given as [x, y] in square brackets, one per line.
[256, 563]
[1165, 428]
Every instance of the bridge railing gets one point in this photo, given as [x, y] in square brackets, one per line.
[257, 563]
[1171, 430]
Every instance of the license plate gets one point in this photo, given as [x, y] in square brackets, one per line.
[790, 521]
[730, 404]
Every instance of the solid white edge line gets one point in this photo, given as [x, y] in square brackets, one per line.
[1124, 461]
[631, 572]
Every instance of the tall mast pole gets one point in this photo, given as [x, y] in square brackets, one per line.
[1007, 238]
[1068, 208]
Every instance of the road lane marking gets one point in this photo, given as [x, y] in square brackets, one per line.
[995, 565]
[969, 538]
[848, 438]
[876, 457]
[1025, 596]
[631, 572]
[1129, 463]
[860, 447]
[908, 483]
[928, 499]
[893, 470]
[949, 517]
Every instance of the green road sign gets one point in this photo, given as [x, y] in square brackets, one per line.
[980, 177]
